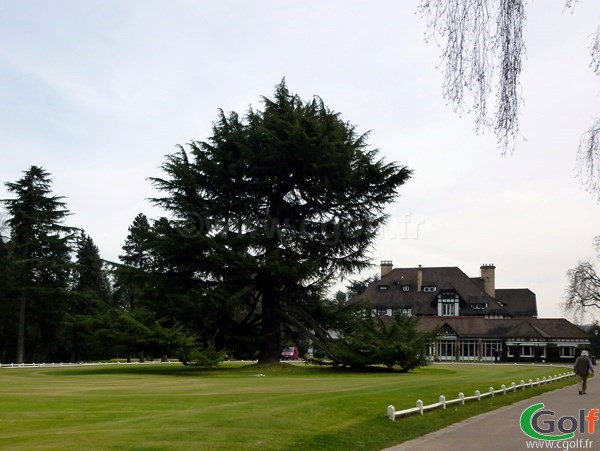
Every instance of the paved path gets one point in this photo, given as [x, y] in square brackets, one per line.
[499, 430]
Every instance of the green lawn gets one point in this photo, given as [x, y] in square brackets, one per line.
[143, 407]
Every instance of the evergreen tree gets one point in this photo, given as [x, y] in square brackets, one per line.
[88, 274]
[8, 305]
[90, 295]
[269, 211]
[394, 342]
[133, 275]
[145, 322]
[41, 249]
[136, 253]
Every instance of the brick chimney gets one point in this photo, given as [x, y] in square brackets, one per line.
[386, 267]
[419, 278]
[488, 274]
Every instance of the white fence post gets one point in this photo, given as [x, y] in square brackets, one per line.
[443, 401]
[513, 387]
[420, 406]
[461, 396]
[491, 390]
[478, 394]
[523, 384]
[391, 413]
[503, 387]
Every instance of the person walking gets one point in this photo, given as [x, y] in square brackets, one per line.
[583, 368]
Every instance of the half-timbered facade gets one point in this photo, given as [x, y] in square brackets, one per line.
[474, 320]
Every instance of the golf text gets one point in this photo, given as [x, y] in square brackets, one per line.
[542, 424]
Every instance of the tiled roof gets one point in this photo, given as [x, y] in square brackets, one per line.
[518, 301]
[466, 327]
[470, 291]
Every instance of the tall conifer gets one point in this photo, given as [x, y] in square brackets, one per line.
[41, 249]
[272, 209]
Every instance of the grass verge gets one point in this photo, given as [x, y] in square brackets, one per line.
[283, 407]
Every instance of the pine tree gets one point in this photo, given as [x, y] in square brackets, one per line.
[88, 273]
[8, 306]
[41, 249]
[271, 210]
[143, 322]
[133, 279]
[88, 302]
[135, 249]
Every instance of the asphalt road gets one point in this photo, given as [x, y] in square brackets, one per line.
[500, 429]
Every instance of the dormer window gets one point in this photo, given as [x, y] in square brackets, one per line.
[405, 287]
[448, 304]
[383, 287]
[429, 288]
[479, 305]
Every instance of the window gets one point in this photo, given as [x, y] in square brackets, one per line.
[527, 351]
[479, 305]
[448, 309]
[405, 287]
[384, 311]
[489, 346]
[383, 287]
[429, 289]
[448, 303]
[468, 350]
[400, 311]
[567, 351]
[446, 349]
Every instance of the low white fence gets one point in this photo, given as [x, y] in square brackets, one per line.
[41, 365]
[392, 413]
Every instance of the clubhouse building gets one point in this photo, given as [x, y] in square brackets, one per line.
[472, 319]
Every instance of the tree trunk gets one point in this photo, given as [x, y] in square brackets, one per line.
[21, 331]
[270, 349]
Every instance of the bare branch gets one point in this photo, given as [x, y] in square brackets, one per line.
[464, 25]
[588, 160]
[583, 291]
[595, 51]
[509, 41]
[475, 47]
[570, 4]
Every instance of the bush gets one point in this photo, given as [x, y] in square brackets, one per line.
[203, 357]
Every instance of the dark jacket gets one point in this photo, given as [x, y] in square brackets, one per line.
[582, 366]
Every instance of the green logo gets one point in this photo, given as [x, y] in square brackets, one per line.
[532, 417]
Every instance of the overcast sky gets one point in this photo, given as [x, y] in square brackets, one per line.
[98, 92]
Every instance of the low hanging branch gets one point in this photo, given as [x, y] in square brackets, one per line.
[475, 48]
[315, 333]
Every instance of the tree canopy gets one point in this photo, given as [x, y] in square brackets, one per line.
[40, 246]
[269, 211]
[263, 217]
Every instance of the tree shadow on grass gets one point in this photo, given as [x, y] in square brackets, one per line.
[233, 369]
